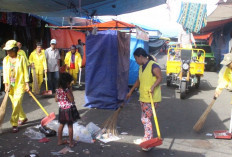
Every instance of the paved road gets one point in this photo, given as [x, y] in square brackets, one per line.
[176, 118]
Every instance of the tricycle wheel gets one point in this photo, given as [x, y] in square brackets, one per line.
[168, 82]
[197, 85]
[183, 89]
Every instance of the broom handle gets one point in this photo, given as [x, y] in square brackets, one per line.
[38, 103]
[80, 77]
[230, 120]
[155, 116]
[46, 81]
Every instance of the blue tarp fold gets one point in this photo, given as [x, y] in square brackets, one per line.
[102, 83]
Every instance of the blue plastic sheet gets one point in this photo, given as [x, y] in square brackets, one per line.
[101, 70]
[134, 67]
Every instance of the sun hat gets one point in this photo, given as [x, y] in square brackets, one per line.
[10, 44]
[227, 59]
[53, 41]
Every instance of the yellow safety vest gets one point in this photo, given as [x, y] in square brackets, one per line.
[78, 60]
[146, 80]
[39, 61]
[225, 78]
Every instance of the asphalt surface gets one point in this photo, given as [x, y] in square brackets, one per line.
[176, 118]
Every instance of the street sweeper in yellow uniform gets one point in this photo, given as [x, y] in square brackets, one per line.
[38, 63]
[15, 78]
[73, 62]
[225, 75]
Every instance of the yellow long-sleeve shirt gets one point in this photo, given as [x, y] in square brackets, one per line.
[21, 72]
[39, 61]
[78, 60]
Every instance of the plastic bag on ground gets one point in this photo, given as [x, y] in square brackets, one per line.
[33, 134]
[93, 129]
[80, 133]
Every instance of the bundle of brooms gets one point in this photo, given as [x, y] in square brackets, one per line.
[110, 125]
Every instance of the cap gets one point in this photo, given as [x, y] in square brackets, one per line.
[73, 47]
[10, 44]
[53, 41]
[227, 59]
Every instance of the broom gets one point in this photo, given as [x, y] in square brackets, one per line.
[35, 82]
[201, 121]
[109, 126]
[3, 110]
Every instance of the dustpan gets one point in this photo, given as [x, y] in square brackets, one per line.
[49, 117]
[224, 134]
[154, 141]
[47, 92]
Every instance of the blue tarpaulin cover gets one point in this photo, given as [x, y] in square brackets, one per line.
[134, 67]
[102, 70]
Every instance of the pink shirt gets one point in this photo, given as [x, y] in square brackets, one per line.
[62, 98]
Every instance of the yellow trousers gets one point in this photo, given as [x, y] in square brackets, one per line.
[39, 78]
[16, 97]
[74, 75]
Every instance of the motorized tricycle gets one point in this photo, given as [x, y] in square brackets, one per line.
[185, 67]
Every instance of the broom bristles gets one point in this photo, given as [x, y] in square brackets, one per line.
[35, 82]
[3, 110]
[109, 126]
[201, 121]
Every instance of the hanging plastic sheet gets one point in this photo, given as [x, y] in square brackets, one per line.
[101, 70]
[134, 67]
[123, 64]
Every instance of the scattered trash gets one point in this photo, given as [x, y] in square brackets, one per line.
[172, 154]
[107, 138]
[65, 150]
[44, 140]
[86, 151]
[32, 155]
[209, 134]
[33, 134]
[124, 133]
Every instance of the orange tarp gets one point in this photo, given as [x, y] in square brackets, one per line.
[113, 25]
[203, 36]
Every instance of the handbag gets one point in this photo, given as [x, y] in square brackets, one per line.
[75, 112]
